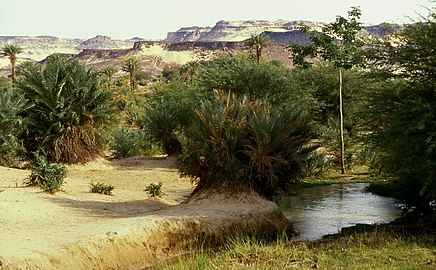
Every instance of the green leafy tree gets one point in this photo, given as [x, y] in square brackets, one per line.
[338, 43]
[401, 112]
[68, 107]
[258, 42]
[131, 65]
[11, 50]
[169, 110]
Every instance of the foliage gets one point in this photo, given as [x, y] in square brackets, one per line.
[101, 188]
[131, 66]
[242, 145]
[257, 42]
[11, 50]
[154, 190]
[169, 110]
[321, 81]
[129, 104]
[67, 108]
[49, 176]
[401, 112]
[339, 44]
[378, 250]
[142, 77]
[109, 73]
[12, 104]
[130, 142]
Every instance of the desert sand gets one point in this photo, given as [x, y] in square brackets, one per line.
[77, 229]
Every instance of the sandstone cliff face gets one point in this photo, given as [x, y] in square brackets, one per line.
[236, 30]
[187, 34]
[38, 48]
[280, 31]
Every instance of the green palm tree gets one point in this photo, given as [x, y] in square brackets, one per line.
[68, 110]
[11, 50]
[257, 42]
[109, 73]
[131, 65]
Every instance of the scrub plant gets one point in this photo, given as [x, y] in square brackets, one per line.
[49, 176]
[101, 188]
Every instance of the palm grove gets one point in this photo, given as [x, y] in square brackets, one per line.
[242, 123]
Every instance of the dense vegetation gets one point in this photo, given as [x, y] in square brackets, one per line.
[242, 122]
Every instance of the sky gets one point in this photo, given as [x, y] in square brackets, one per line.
[123, 19]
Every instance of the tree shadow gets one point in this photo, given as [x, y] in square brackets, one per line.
[146, 163]
[126, 209]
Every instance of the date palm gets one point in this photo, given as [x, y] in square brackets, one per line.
[67, 110]
[131, 65]
[108, 72]
[11, 50]
[257, 42]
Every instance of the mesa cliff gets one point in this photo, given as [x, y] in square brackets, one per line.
[181, 46]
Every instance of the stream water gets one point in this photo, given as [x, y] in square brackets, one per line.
[325, 210]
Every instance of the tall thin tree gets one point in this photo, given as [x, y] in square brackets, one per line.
[131, 65]
[338, 42]
[11, 50]
[258, 42]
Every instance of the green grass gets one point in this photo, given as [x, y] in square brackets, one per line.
[376, 250]
[337, 178]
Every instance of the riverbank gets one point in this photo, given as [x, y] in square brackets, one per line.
[77, 229]
[380, 249]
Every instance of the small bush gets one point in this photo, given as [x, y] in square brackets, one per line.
[154, 190]
[101, 188]
[49, 176]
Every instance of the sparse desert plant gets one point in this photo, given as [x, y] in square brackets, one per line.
[68, 109]
[49, 176]
[101, 188]
[154, 190]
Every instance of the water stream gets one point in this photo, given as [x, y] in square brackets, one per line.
[325, 210]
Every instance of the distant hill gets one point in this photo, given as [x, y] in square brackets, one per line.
[186, 44]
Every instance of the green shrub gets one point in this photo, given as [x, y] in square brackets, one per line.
[154, 190]
[101, 188]
[49, 176]
[169, 110]
[128, 142]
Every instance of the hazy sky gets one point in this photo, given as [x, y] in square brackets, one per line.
[153, 19]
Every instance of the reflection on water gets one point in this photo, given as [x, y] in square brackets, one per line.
[325, 210]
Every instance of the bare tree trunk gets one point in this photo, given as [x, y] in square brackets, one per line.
[341, 131]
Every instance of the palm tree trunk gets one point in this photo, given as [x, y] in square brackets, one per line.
[13, 73]
[13, 63]
[341, 131]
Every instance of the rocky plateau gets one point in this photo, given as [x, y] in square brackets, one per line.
[181, 46]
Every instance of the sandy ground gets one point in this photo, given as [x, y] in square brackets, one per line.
[77, 229]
